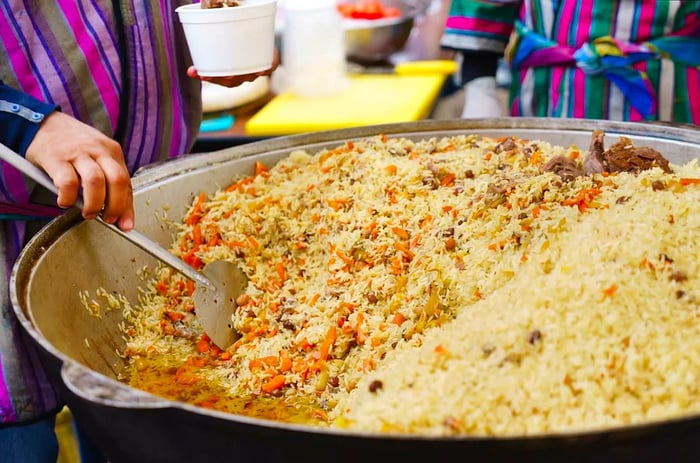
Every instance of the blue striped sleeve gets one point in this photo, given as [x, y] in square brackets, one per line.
[20, 118]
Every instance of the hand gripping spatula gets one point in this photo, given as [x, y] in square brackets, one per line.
[216, 287]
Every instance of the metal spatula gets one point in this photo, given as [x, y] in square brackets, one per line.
[216, 287]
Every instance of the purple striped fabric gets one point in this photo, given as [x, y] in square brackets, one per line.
[67, 52]
[567, 91]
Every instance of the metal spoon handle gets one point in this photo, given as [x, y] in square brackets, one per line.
[140, 240]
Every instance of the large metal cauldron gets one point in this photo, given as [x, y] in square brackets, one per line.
[81, 351]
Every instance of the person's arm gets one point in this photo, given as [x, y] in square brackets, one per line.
[20, 118]
[75, 155]
[479, 25]
[479, 31]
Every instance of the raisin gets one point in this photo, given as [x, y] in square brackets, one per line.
[375, 385]
[534, 336]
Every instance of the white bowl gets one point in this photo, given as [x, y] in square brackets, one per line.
[230, 41]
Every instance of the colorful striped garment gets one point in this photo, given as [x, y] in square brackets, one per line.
[117, 65]
[601, 59]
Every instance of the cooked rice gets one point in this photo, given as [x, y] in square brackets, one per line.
[441, 286]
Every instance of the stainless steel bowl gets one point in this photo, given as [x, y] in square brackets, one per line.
[377, 39]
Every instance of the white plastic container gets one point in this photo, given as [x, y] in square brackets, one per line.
[231, 40]
[313, 48]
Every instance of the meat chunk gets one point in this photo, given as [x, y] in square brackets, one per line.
[622, 156]
[507, 145]
[594, 162]
[564, 167]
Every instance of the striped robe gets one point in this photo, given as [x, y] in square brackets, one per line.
[567, 91]
[117, 65]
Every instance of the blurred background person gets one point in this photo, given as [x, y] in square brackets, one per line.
[89, 91]
[631, 60]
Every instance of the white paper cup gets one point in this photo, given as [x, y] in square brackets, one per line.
[232, 40]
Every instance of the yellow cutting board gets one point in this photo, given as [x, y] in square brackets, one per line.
[367, 100]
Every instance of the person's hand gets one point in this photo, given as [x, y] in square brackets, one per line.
[235, 81]
[481, 99]
[77, 155]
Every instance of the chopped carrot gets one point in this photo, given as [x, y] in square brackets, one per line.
[162, 287]
[347, 329]
[314, 299]
[583, 198]
[391, 169]
[255, 363]
[400, 246]
[400, 232]
[167, 327]
[647, 264]
[320, 414]
[610, 291]
[276, 382]
[338, 204]
[281, 272]
[236, 244]
[498, 246]
[270, 360]
[240, 184]
[370, 230]
[415, 241]
[214, 351]
[260, 168]
[690, 181]
[347, 306]
[328, 342]
[174, 316]
[196, 213]
[397, 265]
[398, 318]
[346, 259]
[440, 349]
[285, 361]
[448, 179]
[325, 156]
[360, 319]
[191, 259]
[305, 344]
[203, 346]
[197, 235]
